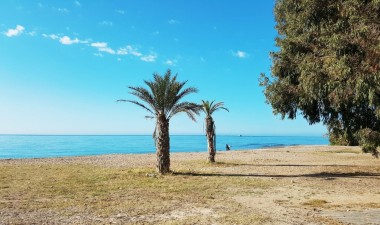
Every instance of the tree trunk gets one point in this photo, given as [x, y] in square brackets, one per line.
[210, 133]
[162, 145]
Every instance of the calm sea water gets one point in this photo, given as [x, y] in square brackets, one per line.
[41, 146]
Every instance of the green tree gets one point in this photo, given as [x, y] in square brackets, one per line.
[209, 108]
[370, 140]
[327, 65]
[162, 100]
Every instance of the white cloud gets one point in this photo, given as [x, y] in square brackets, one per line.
[63, 10]
[240, 54]
[77, 3]
[149, 58]
[133, 51]
[122, 51]
[99, 44]
[68, 41]
[15, 32]
[129, 50]
[171, 62]
[65, 40]
[173, 21]
[138, 54]
[51, 36]
[32, 33]
[103, 47]
[108, 50]
[106, 23]
[120, 11]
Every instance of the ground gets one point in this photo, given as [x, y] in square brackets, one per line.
[292, 185]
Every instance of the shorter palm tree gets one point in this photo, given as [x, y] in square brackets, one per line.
[209, 108]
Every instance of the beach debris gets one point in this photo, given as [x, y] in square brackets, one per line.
[151, 175]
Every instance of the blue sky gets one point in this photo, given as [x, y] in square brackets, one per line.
[63, 64]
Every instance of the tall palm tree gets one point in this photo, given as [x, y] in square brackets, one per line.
[162, 101]
[209, 108]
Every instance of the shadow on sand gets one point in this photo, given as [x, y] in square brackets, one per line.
[278, 165]
[314, 175]
[323, 175]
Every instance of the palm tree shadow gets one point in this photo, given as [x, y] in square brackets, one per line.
[312, 175]
[227, 164]
[323, 175]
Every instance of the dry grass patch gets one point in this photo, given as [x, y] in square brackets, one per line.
[202, 164]
[317, 203]
[348, 150]
[76, 190]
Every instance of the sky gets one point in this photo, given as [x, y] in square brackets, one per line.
[64, 63]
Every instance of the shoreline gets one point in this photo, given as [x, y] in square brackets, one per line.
[132, 160]
[176, 152]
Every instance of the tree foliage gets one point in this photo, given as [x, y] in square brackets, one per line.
[327, 67]
[370, 140]
[163, 100]
[164, 95]
[210, 107]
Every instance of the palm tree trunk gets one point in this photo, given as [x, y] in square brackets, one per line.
[210, 133]
[162, 145]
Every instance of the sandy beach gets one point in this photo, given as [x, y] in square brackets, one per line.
[291, 185]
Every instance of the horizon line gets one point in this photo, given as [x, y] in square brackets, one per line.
[238, 135]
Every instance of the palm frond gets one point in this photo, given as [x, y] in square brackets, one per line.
[160, 87]
[163, 95]
[185, 92]
[171, 93]
[206, 107]
[191, 109]
[191, 116]
[218, 106]
[144, 95]
[209, 107]
[141, 105]
[152, 87]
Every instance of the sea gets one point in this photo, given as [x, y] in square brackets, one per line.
[46, 146]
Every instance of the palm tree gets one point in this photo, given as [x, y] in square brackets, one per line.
[162, 101]
[209, 108]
